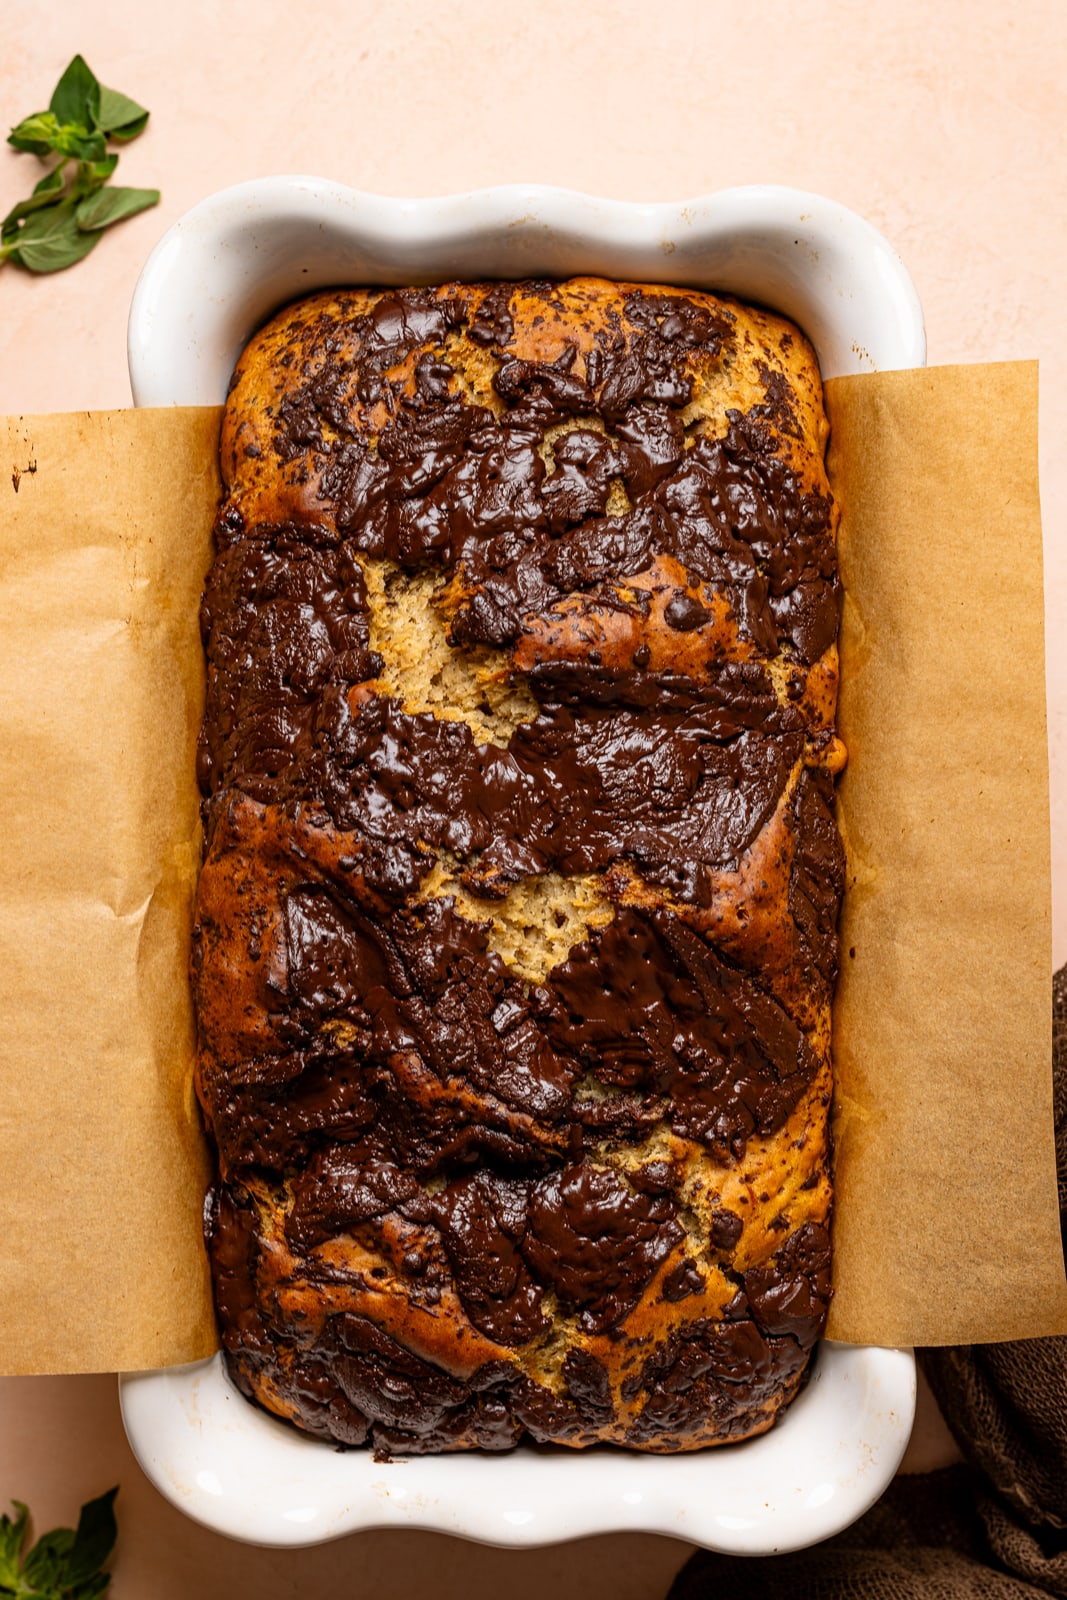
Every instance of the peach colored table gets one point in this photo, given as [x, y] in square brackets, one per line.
[942, 121]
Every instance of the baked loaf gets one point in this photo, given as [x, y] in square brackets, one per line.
[515, 932]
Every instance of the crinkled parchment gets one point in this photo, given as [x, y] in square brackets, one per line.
[947, 1227]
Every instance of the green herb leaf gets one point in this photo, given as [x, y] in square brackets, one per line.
[76, 97]
[94, 1539]
[65, 1563]
[50, 239]
[106, 206]
[92, 175]
[12, 1538]
[90, 1588]
[36, 134]
[46, 1563]
[62, 220]
[74, 140]
[120, 117]
[45, 194]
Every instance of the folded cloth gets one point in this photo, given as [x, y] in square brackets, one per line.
[993, 1527]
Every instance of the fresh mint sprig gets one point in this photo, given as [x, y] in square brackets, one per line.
[64, 1564]
[62, 220]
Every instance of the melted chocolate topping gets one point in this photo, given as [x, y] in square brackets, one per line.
[410, 1088]
[447, 1058]
[357, 1384]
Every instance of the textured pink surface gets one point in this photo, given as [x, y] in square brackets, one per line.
[944, 123]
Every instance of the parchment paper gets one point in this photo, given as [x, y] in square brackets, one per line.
[946, 1226]
[103, 548]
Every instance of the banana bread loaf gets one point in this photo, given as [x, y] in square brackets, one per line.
[515, 937]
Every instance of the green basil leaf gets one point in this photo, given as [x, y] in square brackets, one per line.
[74, 140]
[37, 134]
[51, 239]
[130, 131]
[44, 1565]
[49, 219]
[120, 117]
[106, 206]
[92, 175]
[94, 1539]
[76, 97]
[46, 193]
[90, 1588]
[51, 183]
[12, 1535]
[63, 218]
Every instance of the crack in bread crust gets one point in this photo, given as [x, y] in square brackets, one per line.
[428, 675]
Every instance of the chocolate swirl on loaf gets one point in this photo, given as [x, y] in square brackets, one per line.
[515, 933]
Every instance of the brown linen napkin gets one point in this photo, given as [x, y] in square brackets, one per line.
[992, 1529]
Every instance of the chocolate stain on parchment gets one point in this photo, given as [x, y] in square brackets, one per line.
[18, 473]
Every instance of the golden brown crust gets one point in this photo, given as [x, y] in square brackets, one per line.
[320, 335]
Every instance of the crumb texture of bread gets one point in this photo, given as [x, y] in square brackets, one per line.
[515, 940]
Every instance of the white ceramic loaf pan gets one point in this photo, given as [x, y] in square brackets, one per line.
[209, 283]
